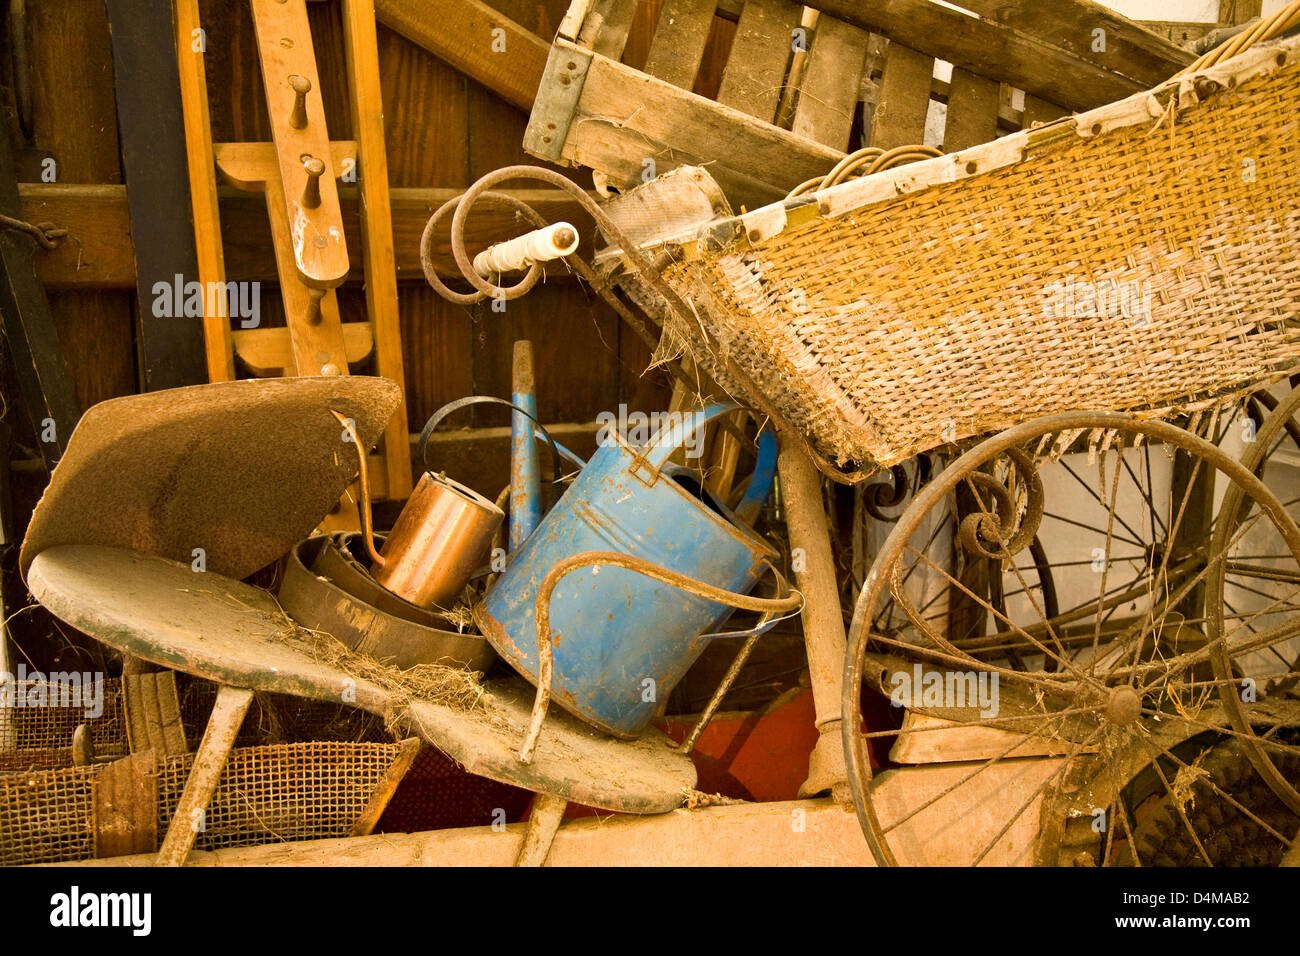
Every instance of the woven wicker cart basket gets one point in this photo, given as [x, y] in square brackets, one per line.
[1141, 257]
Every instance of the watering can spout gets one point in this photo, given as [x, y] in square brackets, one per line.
[364, 510]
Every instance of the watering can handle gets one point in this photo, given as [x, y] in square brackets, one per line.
[442, 414]
[658, 453]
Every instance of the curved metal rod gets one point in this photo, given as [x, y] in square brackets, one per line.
[363, 479]
[792, 601]
[636, 259]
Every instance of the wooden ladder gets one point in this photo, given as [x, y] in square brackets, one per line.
[298, 174]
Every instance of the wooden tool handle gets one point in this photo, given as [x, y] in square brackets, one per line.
[541, 245]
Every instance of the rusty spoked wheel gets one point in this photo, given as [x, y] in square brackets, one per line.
[1255, 594]
[1117, 516]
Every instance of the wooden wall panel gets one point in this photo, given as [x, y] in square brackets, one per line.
[75, 120]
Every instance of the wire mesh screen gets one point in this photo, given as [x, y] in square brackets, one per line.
[45, 815]
[267, 794]
[280, 792]
[38, 718]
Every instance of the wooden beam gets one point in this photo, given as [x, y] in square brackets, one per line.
[461, 33]
[377, 255]
[98, 252]
[154, 164]
[1130, 49]
[949, 832]
[989, 49]
[39, 366]
[191, 42]
[626, 117]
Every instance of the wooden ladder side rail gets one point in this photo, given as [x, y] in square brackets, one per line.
[191, 43]
[361, 44]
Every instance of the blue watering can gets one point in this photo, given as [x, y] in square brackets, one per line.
[622, 639]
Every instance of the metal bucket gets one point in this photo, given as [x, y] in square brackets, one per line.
[621, 641]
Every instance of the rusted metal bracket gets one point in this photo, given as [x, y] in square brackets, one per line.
[557, 100]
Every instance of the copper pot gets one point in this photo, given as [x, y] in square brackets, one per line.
[442, 535]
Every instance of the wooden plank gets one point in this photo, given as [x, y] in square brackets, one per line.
[1232, 12]
[480, 457]
[154, 165]
[1040, 111]
[70, 74]
[1131, 49]
[387, 786]
[460, 32]
[99, 253]
[191, 43]
[972, 111]
[423, 100]
[831, 83]
[680, 36]
[379, 261]
[760, 52]
[125, 815]
[903, 99]
[319, 251]
[268, 353]
[990, 49]
[959, 818]
[606, 27]
[314, 329]
[627, 117]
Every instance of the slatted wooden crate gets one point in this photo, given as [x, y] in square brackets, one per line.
[769, 93]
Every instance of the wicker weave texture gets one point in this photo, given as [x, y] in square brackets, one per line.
[1137, 270]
